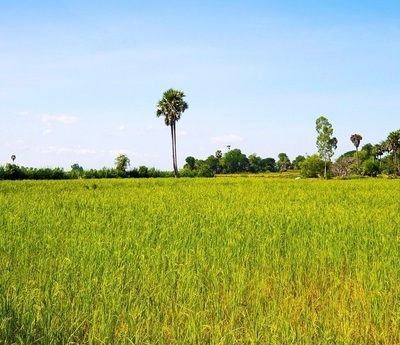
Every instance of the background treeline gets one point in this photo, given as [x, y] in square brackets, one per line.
[370, 160]
[15, 172]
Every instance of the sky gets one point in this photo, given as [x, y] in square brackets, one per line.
[80, 80]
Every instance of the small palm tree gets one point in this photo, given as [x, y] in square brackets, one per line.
[393, 145]
[378, 150]
[356, 139]
[171, 106]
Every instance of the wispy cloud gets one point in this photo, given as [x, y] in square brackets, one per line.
[116, 153]
[121, 128]
[48, 131]
[64, 119]
[22, 113]
[63, 150]
[227, 139]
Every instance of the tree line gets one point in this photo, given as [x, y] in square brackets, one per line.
[15, 172]
[371, 160]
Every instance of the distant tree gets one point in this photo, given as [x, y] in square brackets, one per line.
[348, 154]
[326, 144]
[13, 157]
[76, 167]
[367, 148]
[13, 172]
[255, 163]
[343, 166]
[283, 162]
[203, 169]
[378, 150]
[213, 163]
[234, 161]
[313, 166]
[393, 145]
[76, 170]
[122, 162]
[297, 161]
[143, 171]
[190, 162]
[269, 164]
[370, 167]
[171, 106]
[356, 139]
[218, 154]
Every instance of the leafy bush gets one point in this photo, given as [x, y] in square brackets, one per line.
[313, 166]
[370, 167]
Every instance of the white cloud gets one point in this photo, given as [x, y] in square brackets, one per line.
[48, 131]
[116, 153]
[182, 133]
[121, 128]
[62, 150]
[227, 139]
[59, 118]
[22, 113]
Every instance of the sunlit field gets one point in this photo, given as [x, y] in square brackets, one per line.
[200, 261]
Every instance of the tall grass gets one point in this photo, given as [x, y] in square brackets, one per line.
[221, 261]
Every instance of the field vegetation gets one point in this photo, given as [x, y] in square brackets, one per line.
[200, 261]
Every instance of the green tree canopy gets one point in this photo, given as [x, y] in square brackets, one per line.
[234, 161]
[122, 162]
[283, 161]
[190, 162]
[326, 144]
[297, 161]
[312, 166]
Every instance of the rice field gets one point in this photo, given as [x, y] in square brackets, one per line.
[200, 261]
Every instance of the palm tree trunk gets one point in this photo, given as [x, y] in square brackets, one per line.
[174, 155]
[173, 149]
[358, 161]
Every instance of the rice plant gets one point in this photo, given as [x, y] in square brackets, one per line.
[200, 261]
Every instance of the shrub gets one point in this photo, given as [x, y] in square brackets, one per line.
[313, 166]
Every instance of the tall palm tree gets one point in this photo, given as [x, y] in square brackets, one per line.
[171, 106]
[356, 139]
[393, 145]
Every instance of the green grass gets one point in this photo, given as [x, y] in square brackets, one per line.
[200, 261]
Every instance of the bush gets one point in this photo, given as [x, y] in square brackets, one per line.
[186, 172]
[370, 167]
[313, 166]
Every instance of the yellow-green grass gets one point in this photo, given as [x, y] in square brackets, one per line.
[200, 261]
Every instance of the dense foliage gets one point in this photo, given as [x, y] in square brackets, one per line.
[15, 172]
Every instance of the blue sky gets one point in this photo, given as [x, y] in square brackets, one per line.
[80, 80]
